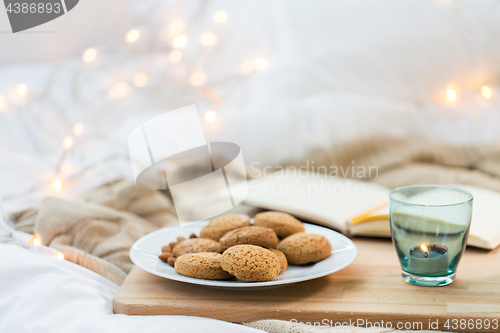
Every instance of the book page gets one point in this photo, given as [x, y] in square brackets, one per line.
[330, 201]
[485, 223]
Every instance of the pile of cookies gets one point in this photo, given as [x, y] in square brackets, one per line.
[253, 253]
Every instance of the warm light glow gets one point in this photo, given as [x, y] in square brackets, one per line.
[68, 142]
[197, 78]
[208, 39]
[89, 55]
[175, 56]
[210, 93]
[140, 80]
[60, 255]
[67, 167]
[486, 91]
[179, 41]
[451, 95]
[132, 36]
[78, 129]
[220, 17]
[35, 240]
[261, 64]
[21, 89]
[247, 67]
[175, 27]
[119, 90]
[57, 184]
[210, 116]
[3, 104]
[424, 247]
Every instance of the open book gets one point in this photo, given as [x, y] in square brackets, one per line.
[360, 208]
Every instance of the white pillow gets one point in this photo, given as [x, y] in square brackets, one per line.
[59, 296]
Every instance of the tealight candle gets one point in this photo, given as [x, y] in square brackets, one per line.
[429, 226]
[428, 259]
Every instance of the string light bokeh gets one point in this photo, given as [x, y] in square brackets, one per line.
[486, 91]
[220, 17]
[197, 78]
[68, 142]
[3, 104]
[57, 185]
[175, 56]
[89, 55]
[140, 80]
[132, 36]
[175, 42]
[78, 129]
[176, 27]
[210, 116]
[21, 89]
[179, 41]
[208, 39]
[451, 94]
[176, 34]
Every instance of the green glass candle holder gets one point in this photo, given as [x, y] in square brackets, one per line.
[430, 226]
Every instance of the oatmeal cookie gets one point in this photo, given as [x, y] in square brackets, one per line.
[303, 248]
[195, 245]
[204, 265]
[250, 263]
[283, 224]
[259, 236]
[220, 225]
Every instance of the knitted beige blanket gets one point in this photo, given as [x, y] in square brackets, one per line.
[97, 231]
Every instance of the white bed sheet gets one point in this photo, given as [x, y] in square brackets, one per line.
[39, 293]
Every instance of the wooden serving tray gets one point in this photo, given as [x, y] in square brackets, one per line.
[370, 290]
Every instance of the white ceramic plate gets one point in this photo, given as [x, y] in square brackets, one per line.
[144, 253]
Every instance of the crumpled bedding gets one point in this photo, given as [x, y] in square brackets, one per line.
[97, 231]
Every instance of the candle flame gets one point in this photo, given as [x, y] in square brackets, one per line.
[423, 247]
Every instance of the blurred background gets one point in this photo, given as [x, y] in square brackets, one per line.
[282, 79]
